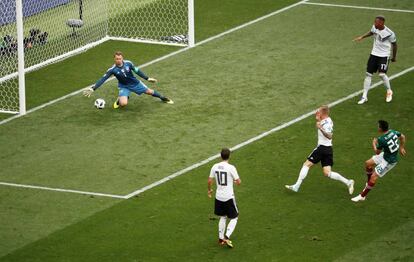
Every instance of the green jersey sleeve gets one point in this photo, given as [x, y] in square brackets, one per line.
[380, 143]
[397, 133]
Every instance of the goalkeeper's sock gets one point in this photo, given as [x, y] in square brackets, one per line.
[156, 94]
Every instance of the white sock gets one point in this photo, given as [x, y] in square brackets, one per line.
[231, 226]
[367, 85]
[222, 227]
[336, 176]
[386, 80]
[302, 175]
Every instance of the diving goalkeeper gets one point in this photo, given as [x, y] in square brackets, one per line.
[127, 83]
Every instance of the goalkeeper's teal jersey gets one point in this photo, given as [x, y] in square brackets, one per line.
[123, 74]
[390, 144]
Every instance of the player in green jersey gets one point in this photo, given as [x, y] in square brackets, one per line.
[386, 147]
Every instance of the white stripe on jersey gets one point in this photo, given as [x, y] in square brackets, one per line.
[225, 175]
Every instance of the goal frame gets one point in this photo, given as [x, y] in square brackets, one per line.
[22, 71]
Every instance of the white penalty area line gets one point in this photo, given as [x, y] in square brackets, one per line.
[256, 138]
[160, 59]
[211, 158]
[62, 190]
[361, 7]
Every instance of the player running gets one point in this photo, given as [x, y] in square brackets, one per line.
[322, 153]
[386, 149]
[225, 202]
[378, 61]
[127, 83]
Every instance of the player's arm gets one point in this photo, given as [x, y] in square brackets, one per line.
[402, 144]
[394, 52]
[326, 133]
[210, 187]
[210, 183]
[236, 177]
[143, 75]
[88, 92]
[359, 38]
[376, 146]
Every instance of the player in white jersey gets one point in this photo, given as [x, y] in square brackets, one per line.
[225, 206]
[322, 153]
[384, 40]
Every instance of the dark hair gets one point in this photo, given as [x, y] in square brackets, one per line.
[118, 53]
[383, 125]
[225, 154]
[380, 17]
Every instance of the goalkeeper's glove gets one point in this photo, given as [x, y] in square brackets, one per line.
[152, 80]
[88, 92]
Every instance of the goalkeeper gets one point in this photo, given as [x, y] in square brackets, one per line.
[127, 83]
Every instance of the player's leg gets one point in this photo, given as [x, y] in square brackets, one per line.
[222, 228]
[220, 210]
[369, 167]
[232, 214]
[327, 163]
[144, 89]
[380, 170]
[368, 186]
[372, 67]
[327, 172]
[155, 93]
[122, 99]
[303, 173]
[383, 74]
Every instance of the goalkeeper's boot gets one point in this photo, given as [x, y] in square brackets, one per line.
[116, 104]
[167, 100]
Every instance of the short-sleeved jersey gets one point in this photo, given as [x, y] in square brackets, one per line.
[382, 41]
[225, 174]
[390, 144]
[123, 73]
[327, 126]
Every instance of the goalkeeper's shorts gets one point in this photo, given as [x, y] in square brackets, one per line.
[138, 89]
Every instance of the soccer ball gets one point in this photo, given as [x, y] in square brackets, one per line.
[99, 103]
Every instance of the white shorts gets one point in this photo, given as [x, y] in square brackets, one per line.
[382, 165]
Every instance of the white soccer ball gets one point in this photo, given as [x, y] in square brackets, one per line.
[99, 103]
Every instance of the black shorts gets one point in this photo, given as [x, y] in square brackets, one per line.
[228, 208]
[377, 64]
[324, 154]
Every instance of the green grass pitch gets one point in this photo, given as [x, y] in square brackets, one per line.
[226, 91]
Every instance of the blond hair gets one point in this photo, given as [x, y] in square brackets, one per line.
[324, 109]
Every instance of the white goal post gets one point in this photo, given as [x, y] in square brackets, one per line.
[36, 33]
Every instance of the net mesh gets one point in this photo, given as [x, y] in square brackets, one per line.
[56, 29]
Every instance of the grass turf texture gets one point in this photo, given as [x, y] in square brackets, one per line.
[78, 119]
[149, 140]
[318, 223]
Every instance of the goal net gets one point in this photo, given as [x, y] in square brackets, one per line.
[56, 29]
